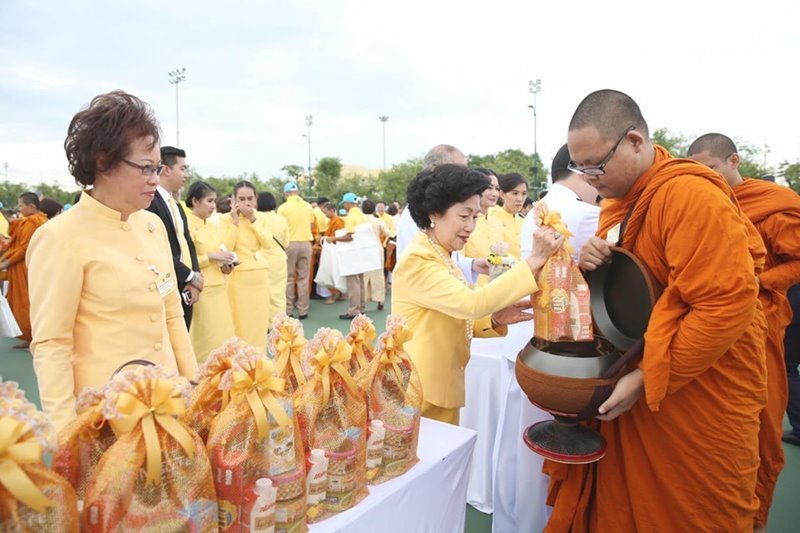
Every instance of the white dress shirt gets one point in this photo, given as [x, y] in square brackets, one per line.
[406, 229]
[581, 218]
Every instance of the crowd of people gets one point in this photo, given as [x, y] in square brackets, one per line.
[135, 271]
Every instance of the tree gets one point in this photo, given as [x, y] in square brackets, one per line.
[514, 160]
[327, 174]
[676, 144]
[749, 156]
[391, 184]
[791, 173]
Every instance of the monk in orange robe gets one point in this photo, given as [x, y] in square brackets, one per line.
[335, 223]
[775, 212]
[682, 426]
[14, 260]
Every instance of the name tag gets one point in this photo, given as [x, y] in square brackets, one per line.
[613, 234]
[165, 283]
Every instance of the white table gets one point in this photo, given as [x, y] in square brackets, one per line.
[429, 497]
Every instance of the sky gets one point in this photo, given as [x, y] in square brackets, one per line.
[442, 71]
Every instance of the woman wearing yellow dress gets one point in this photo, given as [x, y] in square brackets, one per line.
[442, 310]
[513, 191]
[249, 284]
[212, 323]
[486, 232]
[278, 271]
[102, 286]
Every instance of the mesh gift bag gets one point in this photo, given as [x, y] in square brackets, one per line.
[256, 437]
[32, 498]
[361, 336]
[562, 307]
[285, 343]
[394, 397]
[207, 398]
[83, 441]
[156, 476]
[332, 414]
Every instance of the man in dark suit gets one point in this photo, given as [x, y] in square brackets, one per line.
[165, 205]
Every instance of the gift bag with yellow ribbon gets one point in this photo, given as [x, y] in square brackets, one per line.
[394, 398]
[332, 414]
[562, 307]
[207, 398]
[32, 497]
[361, 336]
[156, 477]
[285, 343]
[83, 441]
[255, 436]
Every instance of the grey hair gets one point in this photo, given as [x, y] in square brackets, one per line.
[441, 154]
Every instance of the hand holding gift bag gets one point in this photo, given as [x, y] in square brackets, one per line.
[332, 415]
[562, 307]
[394, 399]
[256, 437]
[157, 476]
[32, 498]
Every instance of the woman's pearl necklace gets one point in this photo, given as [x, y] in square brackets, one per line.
[455, 272]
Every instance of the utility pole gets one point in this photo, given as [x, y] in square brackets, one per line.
[175, 78]
[534, 87]
[383, 119]
[309, 122]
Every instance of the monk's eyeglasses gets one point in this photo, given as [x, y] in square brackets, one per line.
[599, 170]
[147, 170]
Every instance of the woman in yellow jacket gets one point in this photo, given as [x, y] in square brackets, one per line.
[513, 192]
[212, 322]
[249, 286]
[486, 232]
[442, 310]
[102, 286]
[278, 271]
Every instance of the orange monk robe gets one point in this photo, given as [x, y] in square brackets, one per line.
[334, 224]
[685, 457]
[21, 233]
[775, 212]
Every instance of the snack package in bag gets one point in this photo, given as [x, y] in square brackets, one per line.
[499, 260]
[332, 414]
[362, 334]
[83, 441]
[256, 437]
[156, 477]
[285, 343]
[32, 497]
[207, 398]
[562, 307]
[394, 401]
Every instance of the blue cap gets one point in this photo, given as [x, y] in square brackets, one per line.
[290, 187]
[349, 197]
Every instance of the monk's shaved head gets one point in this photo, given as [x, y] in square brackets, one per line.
[716, 144]
[610, 112]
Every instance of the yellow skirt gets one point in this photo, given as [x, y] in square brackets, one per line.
[248, 291]
[212, 323]
[277, 284]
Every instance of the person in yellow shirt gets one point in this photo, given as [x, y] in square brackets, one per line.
[300, 217]
[486, 232]
[513, 191]
[212, 322]
[276, 255]
[441, 309]
[374, 282]
[355, 283]
[380, 212]
[102, 286]
[249, 284]
[320, 217]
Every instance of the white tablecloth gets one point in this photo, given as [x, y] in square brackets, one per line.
[428, 498]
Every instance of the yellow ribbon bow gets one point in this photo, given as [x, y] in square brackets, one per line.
[214, 382]
[18, 446]
[258, 390]
[359, 341]
[393, 353]
[164, 404]
[289, 347]
[325, 361]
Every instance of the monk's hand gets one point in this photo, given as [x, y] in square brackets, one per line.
[480, 266]
[516, 312]
[594, 253]
[626, 392]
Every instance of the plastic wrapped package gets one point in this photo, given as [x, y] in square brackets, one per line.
[286, 343]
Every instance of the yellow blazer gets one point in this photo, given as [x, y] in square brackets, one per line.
[437, 305]
[511, 226]
[207, 236]
[95, 303]
[253, 241]
[487, 232]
